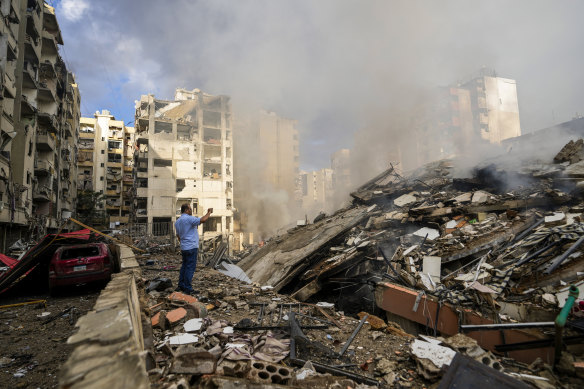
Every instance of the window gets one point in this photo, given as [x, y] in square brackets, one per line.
[28, 178]
[180, 184]
[81, 252]
[30, 148]
[103, 151]
[162, 162]
[101, 178]
[102, 164]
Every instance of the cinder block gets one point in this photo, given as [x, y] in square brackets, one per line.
[269, 373]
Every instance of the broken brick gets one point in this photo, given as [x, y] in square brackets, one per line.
[181, 297]
[175, 315]
[375, 322]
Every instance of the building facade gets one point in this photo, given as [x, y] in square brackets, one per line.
[278, 149]
[39, 124]
[317, 192]
[184, 154]
[105, 163]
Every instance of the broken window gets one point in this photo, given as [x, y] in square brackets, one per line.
[212, 119]
[158, 162]
[142, 182]
[114, 158]
[114, 144]
[212, 170]
[180, 184]
[80, 252]
[183, 132]
[212, 135]
[211, 224]
[160, 127]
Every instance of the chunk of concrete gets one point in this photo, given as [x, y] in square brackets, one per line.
[432, 233]
[480, 197]
[193, 325]
[439, 355]
[432, 265]
[557, 219]
[183, 339]
[191, 360]
[404, 200]
[463, 198]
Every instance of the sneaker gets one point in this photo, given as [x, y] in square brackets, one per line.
[191, 292]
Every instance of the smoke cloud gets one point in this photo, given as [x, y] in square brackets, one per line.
[350, 72]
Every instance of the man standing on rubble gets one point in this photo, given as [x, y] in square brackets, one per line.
[188, 237]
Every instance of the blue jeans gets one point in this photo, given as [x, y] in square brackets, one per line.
[187, 270]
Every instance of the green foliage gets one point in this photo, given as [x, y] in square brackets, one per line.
[90, 208]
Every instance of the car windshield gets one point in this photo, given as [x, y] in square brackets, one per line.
[80, 252]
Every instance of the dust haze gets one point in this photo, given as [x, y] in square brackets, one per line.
[352, 73]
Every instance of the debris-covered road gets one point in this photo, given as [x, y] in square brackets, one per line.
[237, 342]
[34, 336]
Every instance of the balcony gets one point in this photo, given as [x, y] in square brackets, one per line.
[42, 193]
[47, 69]
[43, 168]
[35, 26]
[30, 76]
[45, 141]
[26, 107]
[49, 43]
[67, 128]
[47, 90]
[32, 50]
[113, 193]
[9, 85]
[48, 121]
[86, 135]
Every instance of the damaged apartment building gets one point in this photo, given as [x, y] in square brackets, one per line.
[184, 154]
[452, 119]
[106, 164]
[39, 100]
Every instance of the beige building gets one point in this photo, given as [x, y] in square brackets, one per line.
[39, 123]
[278, 149]
[184, 155]
[105, 163]
[267, 172]
[494, 106]
[341, 166]
[317, 192]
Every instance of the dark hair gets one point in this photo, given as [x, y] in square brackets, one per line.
[184, 207]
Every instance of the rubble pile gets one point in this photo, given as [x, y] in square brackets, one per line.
[499, 246]
[240, 335]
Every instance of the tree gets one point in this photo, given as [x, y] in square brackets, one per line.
[90, 208]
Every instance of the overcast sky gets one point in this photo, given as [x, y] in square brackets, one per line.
[333, 65]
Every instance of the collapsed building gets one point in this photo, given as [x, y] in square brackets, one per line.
[184, 154]
[39, 123]
[490, 253]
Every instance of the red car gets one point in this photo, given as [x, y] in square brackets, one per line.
[81, 264]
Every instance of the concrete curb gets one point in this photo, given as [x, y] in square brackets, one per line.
[109, 344]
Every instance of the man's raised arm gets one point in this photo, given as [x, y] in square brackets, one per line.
[209, 212]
